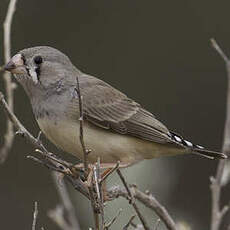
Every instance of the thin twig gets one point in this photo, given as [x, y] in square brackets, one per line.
[93, 199]
[35, 215]
[129, 222]
[217, 212]
[110, 223]
[81, 135]
[18, 125]
[66, 202]
[88, 174]
[132, 201]
[9, 85]
[99, 190]
[147, 200]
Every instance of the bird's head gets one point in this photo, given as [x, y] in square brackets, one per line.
[40, 67]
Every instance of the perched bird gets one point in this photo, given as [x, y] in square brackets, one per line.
[116, 128]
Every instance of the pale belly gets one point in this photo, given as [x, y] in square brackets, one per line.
[109, 146]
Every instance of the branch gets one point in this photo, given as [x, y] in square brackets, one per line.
[81, 135]
[91, 175]
[111, 222]
[216, 182]
[60, 185]
[129, 222]
[132, 202]
[147, 200]
[9, 85]
[35, 216]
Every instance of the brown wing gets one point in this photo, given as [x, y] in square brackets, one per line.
[108, 108]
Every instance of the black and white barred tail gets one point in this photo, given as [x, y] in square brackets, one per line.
[197, 149]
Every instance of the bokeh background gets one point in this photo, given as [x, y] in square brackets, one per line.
[158, 53]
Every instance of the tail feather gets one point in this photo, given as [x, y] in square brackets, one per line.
[196, 149]
[209, 154]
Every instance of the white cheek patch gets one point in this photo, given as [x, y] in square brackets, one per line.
[33, 75]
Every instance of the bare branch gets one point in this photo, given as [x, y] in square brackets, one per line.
[18, 125]
[129, 223]
[9, 85]
[146, 199]
[218, 49]
[99, 190]
[216, 182]
[81, 135]
[108, 225]
[132, 201]
[66, 202]
[35, 216]
[95, 201]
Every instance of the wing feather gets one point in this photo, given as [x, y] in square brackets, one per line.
[108, 108]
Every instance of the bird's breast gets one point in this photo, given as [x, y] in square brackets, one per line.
[110, 147]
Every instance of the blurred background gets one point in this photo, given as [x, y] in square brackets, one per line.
[158, 53]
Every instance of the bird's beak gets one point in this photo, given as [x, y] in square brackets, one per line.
[9, 66]
[15, 65]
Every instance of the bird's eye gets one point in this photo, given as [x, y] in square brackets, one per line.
[38, 60]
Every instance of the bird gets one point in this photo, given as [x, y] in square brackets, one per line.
[116, 128]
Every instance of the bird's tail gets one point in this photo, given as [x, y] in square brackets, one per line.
[209, 154]
[197, 149]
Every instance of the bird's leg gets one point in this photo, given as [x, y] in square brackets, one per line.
[108, 171]
[78, 169]
[110, 168]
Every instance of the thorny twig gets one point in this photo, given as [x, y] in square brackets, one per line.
[81, 133]
[9, 85]
[216, 185]
[99, 190]
[147, 200]
[88, 173]
[132, 201]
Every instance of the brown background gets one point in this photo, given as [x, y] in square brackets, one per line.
[158, 53]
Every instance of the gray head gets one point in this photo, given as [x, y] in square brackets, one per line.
[41, 67]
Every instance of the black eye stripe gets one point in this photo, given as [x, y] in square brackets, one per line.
[38, 60]
[23, 59]
[28, 71]
[37, 70]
